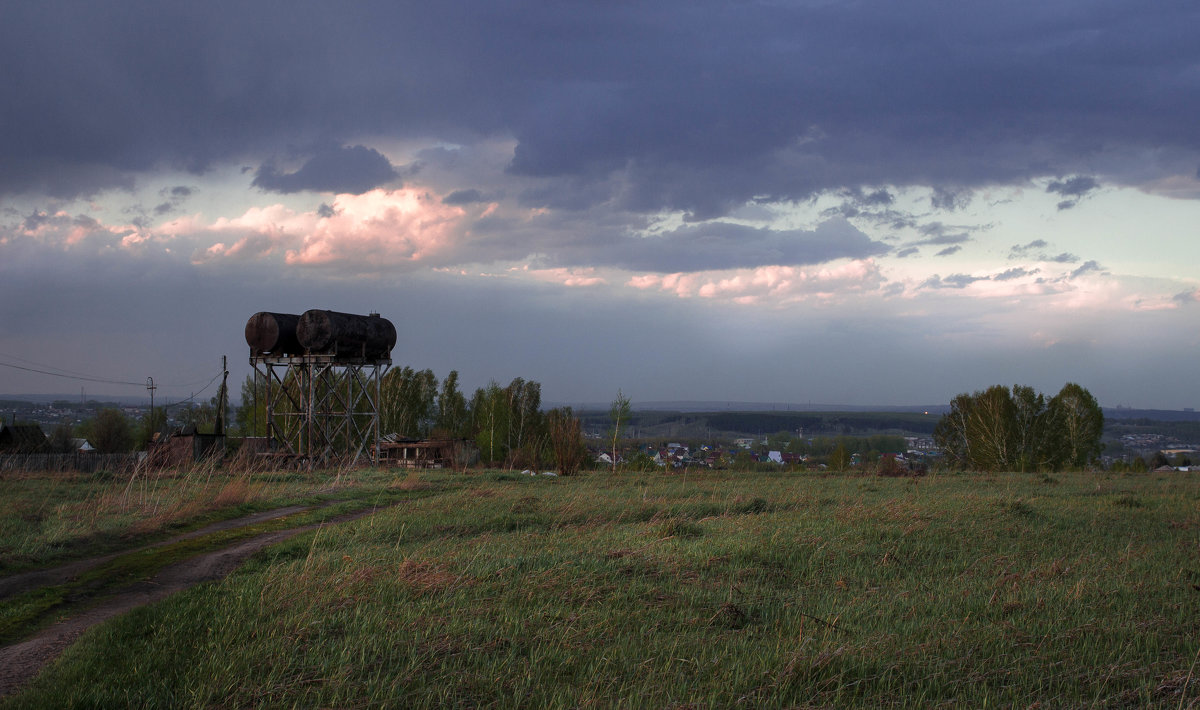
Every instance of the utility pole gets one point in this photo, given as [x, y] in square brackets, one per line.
[222, 395]
[151, 386]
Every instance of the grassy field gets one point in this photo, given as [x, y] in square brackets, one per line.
[56, 517]
[698, 590]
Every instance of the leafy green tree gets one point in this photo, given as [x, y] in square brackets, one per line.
[1080, 424]
[952, 433]
[1001, 430]
[452, 416]
[619, 414]
[779, 441]
[992, 429]
[743, 461]
[490, 421]
[110, 432]
[153, 422]
[566, 440]
[1033, 430]
[839, 458]
[203, 416]
[525, 413]
[251, 417]
[61, 439]
[408, 398]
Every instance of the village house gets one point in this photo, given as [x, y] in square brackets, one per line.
[22, 439]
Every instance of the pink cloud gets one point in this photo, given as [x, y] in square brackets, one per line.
[64, 231]
[382, 227]
[361, 233]
[776, 284]
[569, 277]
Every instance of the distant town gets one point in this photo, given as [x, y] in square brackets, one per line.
[687, 436]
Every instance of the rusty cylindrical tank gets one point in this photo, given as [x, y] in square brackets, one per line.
[273, 334]
[346, 335]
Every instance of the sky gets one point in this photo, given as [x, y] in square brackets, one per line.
[817, 201]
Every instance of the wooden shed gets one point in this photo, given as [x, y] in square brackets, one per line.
[424, 453]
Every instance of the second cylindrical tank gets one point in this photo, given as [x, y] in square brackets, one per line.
[346, 335]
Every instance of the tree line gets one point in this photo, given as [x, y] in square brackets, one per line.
[997, 429]
[1019, 429]
[506, 423]
[112, 431]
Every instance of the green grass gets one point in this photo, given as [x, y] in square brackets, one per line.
[52, 518]
[710, 590]
[23, 614]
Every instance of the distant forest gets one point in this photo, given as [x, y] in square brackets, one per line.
[663, 424]
[726, 424]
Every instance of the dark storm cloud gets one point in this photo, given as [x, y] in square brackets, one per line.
[874, 206]
[1086, 268]
[175, 197]
[949, 199]
[960, 281]
[693, 106]
[875, 198]
[732, 246]
[1014, 273]
[1074, 189]
[690, 248]
[463, 197]
[355, 170]
[1035, 250]
[954, 281]
[1019, 250]
[938, 234]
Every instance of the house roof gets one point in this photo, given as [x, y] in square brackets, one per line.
[22, 437]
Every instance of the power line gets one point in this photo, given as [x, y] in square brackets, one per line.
[52, 367]
[192, 398]
[78, 376]
[72, 377]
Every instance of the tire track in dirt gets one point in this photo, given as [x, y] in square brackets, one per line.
[22, 661]
[27, 581]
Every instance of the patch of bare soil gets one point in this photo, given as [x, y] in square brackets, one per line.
[21, 662]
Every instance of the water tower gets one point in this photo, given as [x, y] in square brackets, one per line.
[320, 374]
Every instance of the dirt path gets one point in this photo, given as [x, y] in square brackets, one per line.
[26, 581]
[21, 662]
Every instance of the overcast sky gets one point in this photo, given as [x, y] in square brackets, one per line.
[818, 201]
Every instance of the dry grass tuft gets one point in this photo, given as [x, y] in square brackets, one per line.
[411, 482]
[235, 492]
[527, 504]
[427, 577]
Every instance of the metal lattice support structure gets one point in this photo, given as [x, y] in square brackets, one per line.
[321, 408]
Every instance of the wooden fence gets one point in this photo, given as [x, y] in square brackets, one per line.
[84, 463]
